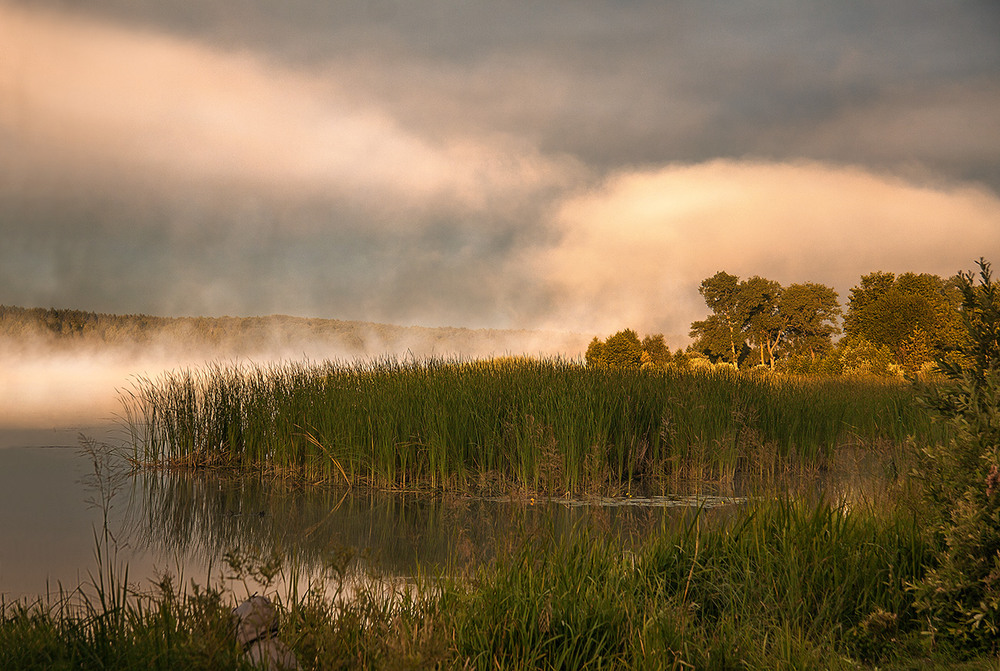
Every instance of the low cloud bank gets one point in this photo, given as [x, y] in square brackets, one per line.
[634, 251]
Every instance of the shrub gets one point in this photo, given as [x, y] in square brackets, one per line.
[960, 596]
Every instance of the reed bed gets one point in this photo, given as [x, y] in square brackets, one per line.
[551, 425]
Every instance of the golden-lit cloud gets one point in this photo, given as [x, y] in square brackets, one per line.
[634, 251]
[107, 97]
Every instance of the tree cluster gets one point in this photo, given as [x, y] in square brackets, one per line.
[625, 350]
[757, 320]
[893, 325]
[915, 317]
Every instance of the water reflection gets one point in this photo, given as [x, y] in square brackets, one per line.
[54, 503]
[204, 516]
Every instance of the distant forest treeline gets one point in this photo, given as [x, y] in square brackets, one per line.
[269, 335]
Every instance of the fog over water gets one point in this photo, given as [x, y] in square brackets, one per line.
[62, 382]
[72, 390]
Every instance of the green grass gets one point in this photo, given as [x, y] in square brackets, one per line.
[779, 584]
[550, 426]
[105, 624]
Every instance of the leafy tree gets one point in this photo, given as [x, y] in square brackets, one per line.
[765, 329]
[809, 315]
[800, 329]
[864, 309]
[718, 335]
[914, 315]
[625, 350]
[735, 305]
[595, 352]
[714, 338]
[655, 353]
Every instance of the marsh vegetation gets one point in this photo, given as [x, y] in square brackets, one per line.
[515, 425]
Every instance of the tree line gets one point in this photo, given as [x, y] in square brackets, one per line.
[262, 336]
[892, 325]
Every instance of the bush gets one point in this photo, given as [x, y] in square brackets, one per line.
[624, 350]
[960, 596]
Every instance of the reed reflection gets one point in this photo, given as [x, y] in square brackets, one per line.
[205, 516]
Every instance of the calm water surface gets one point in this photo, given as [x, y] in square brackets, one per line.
[60, 503]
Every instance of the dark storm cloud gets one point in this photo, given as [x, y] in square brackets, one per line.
[636, 82]
[442, 162]
[157, 253]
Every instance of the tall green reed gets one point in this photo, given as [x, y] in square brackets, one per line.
[548, 425]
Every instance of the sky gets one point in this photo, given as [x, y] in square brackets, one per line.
[575, 165]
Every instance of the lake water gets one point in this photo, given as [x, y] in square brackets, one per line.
[60, 504]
